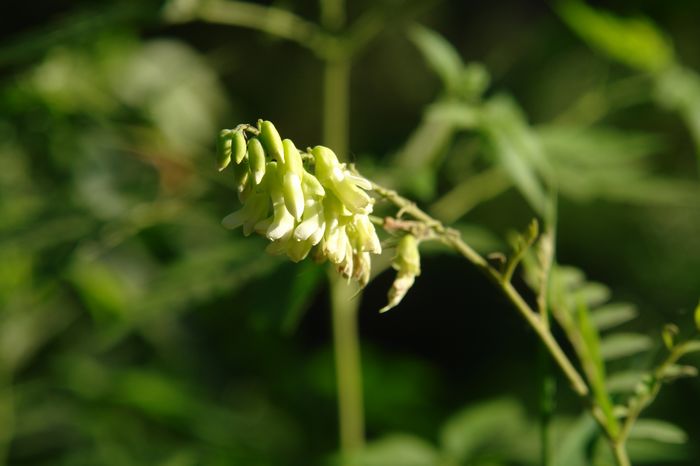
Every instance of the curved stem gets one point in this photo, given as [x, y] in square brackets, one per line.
[453, 239]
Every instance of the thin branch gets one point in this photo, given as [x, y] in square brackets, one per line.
[453, 239]
[639, 402]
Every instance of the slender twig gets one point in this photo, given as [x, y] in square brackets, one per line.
[453, 239]
[637, 403]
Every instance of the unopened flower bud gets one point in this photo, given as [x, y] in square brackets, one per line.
[292, 158]
[223, 149]
[407, 258]
[271, 140]
[238, 146]
[256, 159]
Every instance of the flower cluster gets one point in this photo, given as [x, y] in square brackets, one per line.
[300, 202]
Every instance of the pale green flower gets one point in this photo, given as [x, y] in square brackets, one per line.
[323, 205]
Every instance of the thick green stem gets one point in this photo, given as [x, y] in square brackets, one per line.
[620, 451]
[336, 110]
[547, 392]
[7, 415]
[348, 368]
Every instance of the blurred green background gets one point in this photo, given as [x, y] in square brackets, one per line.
[135, 330]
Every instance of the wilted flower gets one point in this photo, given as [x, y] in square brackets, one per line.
[407, 265]
[326, 208]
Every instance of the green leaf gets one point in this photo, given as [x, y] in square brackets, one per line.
[153, 393]
[697, 317]
[625, 382]
[486, 423]
[658, 430]
[470, 193]
[669, 334]
[593, 356]
[440, 55]
[691, 346]
[678, 88]
[591, 147]
[308, 276]
[646, 451]
[460, 115]
[569, 277]
[597, 163]
[397, 450]
[571, 450]
[677, 371]
[204, 274]
[515, 147]
[636, 42]
[592, 293]
[102, 289]
[418, 159]
[622, 345]
[612, 315]
[480, 238]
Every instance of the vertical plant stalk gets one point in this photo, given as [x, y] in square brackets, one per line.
[336, 90]
[547, 391]
[348, 366]
[7, 415]
[548, 382]
[620, 451]
[344, 305]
